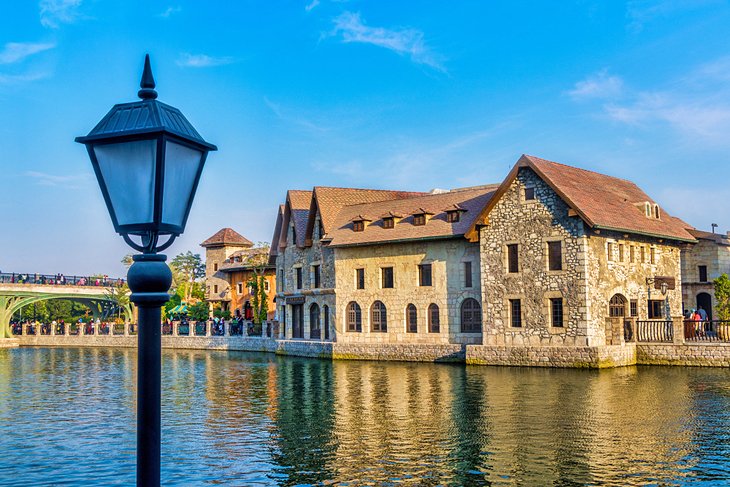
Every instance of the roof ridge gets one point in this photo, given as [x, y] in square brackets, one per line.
[581, 169]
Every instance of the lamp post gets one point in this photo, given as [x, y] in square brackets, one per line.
[147, 159]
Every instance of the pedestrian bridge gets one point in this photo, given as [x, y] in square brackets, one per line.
[20, 290]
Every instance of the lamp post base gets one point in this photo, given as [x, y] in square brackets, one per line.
[149, 280]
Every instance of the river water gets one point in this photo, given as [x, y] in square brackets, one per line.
[67, 417]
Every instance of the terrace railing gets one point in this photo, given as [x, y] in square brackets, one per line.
[707, 331]
[655, 331]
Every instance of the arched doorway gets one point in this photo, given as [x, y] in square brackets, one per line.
[705, 300]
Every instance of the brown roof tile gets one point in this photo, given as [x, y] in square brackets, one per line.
[472, 200]
[601, 201]
[227, 236]
[299, 201]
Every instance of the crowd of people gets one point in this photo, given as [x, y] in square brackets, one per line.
[59, 279]
[88, 326]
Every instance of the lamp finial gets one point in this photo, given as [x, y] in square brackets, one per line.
[147, 84]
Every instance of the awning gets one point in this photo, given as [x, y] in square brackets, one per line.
[179, 309]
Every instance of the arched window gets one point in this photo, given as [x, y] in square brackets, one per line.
[326, 311]
[471, 316]
[378, 317]
[656, 211]
[354, 317]
[411, 319]
[433, 319]
[617, 306]
[314, 326]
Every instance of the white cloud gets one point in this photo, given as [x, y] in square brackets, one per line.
[70, 181]
[10, 79]
[641, 12]
[56, 12]
[311, 5]
[202, 61]
[14, 52]
[296, 120]
[599, 85]
[170, 11]
[406, 42]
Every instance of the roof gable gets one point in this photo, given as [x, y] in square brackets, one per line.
[227, 237]
[601, 201]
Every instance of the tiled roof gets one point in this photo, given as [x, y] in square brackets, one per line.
[718, 238]
[242, 259]
[299, 201]
[603, 202]
[227, 236]
[471, 200]
[330, 201]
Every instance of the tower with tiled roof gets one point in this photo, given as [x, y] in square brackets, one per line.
[218, 248]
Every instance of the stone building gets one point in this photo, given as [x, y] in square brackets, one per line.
[228, 258]
[567, 254]
[701, 264]
[379, 267]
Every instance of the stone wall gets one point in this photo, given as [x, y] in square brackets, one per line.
[531, 224]
[214, 258]
[9, 342]
[620, 275]
[545, 356]
[708, 253]
[707, 355]
[288, 260]
[252, 344]
[448, 290]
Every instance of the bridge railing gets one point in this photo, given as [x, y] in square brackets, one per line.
[59, 280]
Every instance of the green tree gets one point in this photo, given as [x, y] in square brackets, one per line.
[198, 311]
[258, 261]
[187, 269]
[119, 296]
[722, 296]
[127, 261]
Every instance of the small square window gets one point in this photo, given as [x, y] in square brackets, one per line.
[452, 216]
[529, 194]
[419, 220]
[388, 223]
[358, 226]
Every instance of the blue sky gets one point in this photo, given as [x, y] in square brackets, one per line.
[401, 95]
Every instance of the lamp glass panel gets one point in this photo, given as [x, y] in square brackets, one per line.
[181, 168]
[128, 170]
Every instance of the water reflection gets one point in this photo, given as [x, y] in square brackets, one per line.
[230, 418]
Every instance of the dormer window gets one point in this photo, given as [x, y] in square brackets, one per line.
[358, 223]
[656, 211]
[647, 209]
[419, 216]
[452, 216]
[388, 222]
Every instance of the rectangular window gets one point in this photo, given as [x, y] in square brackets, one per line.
[386, 277]
[281, 278]
[320, 228]
[424, 275]
[556, 312]
[632, 257]
[360, 278]
[467, 274]
[634, 308]
[703, 273]
[215, 266]
[316, 275]
[419, 220]
[452, 216]
[358, 226]
[555, 256]
[298, 270]
[620, 252]
[529, 194]
[609, 251]
[266, 285]
[652, 255]
[512, 258]
[656, 309]
[643, 255]
[515, 306]
[388, 223]
[240, 288]
[215, 288]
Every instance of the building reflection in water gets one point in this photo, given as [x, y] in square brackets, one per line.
[234, 418]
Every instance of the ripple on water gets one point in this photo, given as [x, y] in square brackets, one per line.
[67, 417]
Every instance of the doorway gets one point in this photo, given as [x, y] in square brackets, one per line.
[705, 300]
[297, 323]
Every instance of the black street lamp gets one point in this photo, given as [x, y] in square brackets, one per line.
[148, 159]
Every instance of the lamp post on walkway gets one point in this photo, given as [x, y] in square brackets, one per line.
[148, 160]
